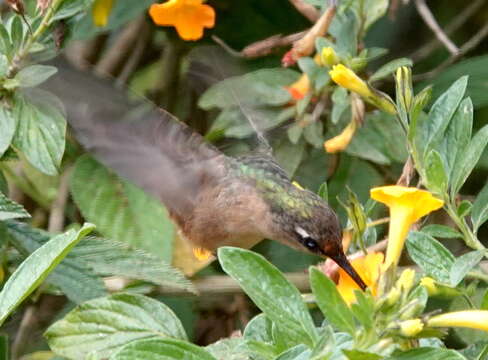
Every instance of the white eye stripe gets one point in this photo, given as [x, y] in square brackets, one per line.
[302, 232]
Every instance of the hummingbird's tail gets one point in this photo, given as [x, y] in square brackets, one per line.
[341, 259]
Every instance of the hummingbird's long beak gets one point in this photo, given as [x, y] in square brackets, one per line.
[341, 259]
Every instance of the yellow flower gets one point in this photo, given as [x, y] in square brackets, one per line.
[407, 205]
[411, 327]
[101, 11]
[328, 57]
[348, 79]
[368, 267]
[299, 88]
[406, 279]
[475, 319]
[341, 141]
[189, 17]
[429, 284]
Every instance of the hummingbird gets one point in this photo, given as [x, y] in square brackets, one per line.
[215, 200]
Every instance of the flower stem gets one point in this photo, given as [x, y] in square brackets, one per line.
[15, 65]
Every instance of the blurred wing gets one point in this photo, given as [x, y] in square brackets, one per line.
[146, 145]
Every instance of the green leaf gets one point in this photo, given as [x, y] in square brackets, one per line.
[441, 231]
[313, 133]
[463, 264]
[234, 348]
[8, 125]
[442, 111]
[40, 131]
[389, 68]
[479, 211]
[114, 258]
[120, 210]
[10, 209]
[298, 352]
[161, 349]
[32, 272]
[17, 32]
[427, 353]
[430, 255]
[323, 192]
[457, 136]
[374, 9]
[270, 291]
[361, 355]
[261, 87]
[464, 208]
[102, 326]
[259, 329]
[471, 156]
[5, 43]
[475, 68]
[289, 155]
[435, 173]
[34, 75]
[484, 301]
[4, 347]
[331, 302]
[72, 276]
[364, 309]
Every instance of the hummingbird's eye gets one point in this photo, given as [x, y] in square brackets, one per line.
[311, 244]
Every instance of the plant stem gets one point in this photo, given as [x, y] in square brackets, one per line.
[15, 65]
[469, 238]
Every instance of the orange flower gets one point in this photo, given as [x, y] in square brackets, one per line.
[368, 267]
[189, 17]
[299, 88]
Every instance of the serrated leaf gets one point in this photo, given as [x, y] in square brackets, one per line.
[427, 353]
[270, 291]
[463, 264]
[435, 173]
[34, 75]
[331, 302]
[120, 210]
[479, 211]
[72, 276]
[8, 125]
[442, 111]
[389, 68]
[441, 231]
[113, 258]
[162, 349]
[33, 270]
[102, 326]
[10, 209]
[469, 160]
[430, 255]
[40, 131]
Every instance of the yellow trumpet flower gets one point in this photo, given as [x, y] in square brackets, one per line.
[475, 319]
[341, 141]
[368, 267]
[348, 79]
[101, 12]
[407, 205]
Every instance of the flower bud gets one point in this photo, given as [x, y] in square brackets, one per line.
[406, 280]
[429, 284]
[410, 328]
[328, 57]
[393, 296]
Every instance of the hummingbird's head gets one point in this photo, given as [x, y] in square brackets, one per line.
[318, 231]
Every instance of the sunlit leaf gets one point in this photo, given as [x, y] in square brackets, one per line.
[32, 272]
[102, 326]
[10, 209]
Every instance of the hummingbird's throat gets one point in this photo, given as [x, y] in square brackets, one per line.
[341, 259]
